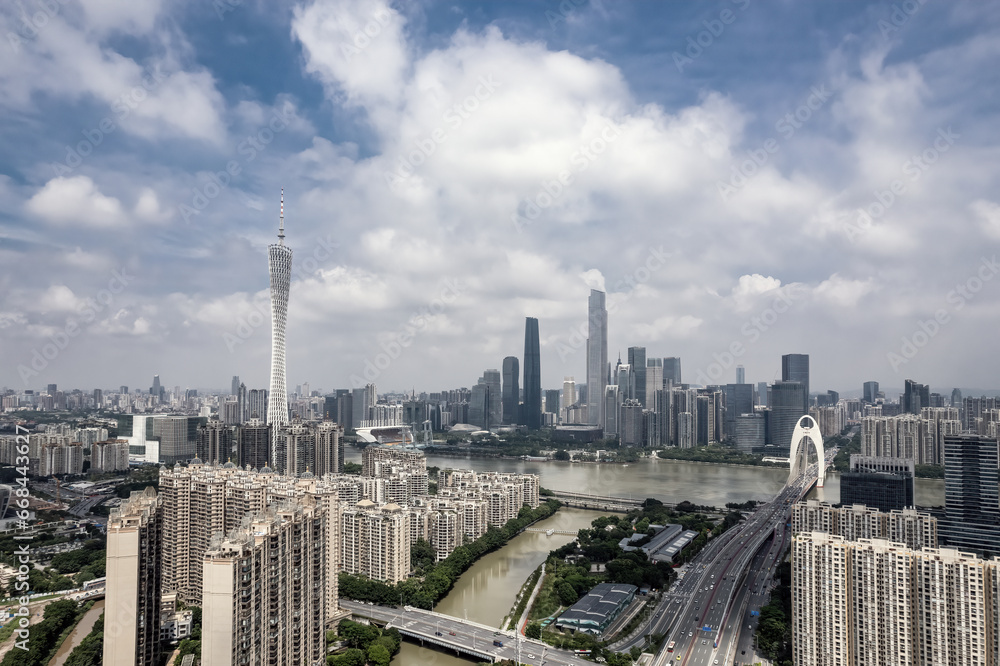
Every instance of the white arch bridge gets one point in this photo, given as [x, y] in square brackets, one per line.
[806, 428]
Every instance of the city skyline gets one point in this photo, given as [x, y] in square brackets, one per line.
[715, 202]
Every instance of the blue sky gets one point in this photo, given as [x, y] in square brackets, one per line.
[745, 179]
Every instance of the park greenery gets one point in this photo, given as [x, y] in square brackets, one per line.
[437, 580]
[365, 643]
[774, 631]
[715, 453]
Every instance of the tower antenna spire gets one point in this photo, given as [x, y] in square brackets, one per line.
[281, 218]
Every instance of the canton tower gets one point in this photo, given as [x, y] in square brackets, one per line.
[279, 263]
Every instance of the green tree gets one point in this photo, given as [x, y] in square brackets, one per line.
[567, 595]
[378, 655]
[534, 630]
[562, 454]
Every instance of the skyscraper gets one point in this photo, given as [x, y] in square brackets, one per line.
[637, 359]
[741, 375]
[915, 397]
[786, 409]
[795, 368]
[597, 356]
[511, 390]
[672, 370]
[568, 392]
[235, 390]
[870, 392]
[971, 494]
[279, 263]
[532, 375]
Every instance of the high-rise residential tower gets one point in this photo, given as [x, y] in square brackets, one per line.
[795, 368]
[597, 356]
[511, 391]
[532, 375]
[133, 581]
[279, 263]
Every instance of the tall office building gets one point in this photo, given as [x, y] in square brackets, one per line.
[552, 401]
[654, 380]
[156, 389]
[971, 497]
[265, 589]
[672, 370]
[741, 375]
[795, 368]
[235, 387]
[597, 356]
[568, 393]
[786, 409]
[511, 390]
[279, 263]
[762, 394]
[915, 397]
[637, 360]
[870, 392]
[532, 375]
[883, 483]
[133, 581]
[739, 401]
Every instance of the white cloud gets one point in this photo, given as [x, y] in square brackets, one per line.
[76, 201]
[844, 292]
[989, 217]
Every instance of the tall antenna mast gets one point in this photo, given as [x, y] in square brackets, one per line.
[281, 224]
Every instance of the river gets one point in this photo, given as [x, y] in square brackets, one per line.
[486, 592]
[80, 631]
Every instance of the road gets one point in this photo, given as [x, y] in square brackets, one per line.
[707, 612]
[464, 636]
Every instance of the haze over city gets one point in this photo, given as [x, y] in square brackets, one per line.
[809, 178]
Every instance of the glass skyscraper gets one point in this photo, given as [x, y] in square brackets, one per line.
[532, 375]
[795, 368]
[597, 356]
[511, 391]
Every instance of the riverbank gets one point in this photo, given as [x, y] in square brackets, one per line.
[439, 579]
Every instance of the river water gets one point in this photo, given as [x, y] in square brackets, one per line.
[486, 592]
[80, 631]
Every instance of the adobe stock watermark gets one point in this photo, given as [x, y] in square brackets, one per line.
[957, 298]
[33, 22]
[248, 148]
[704, 39]
[914, 168]
[21, 553]
[454, 117]
[899, 16]
[577, 337]
[41, 357]
[565, 8]
[121, 108]
[751, 330]
[323, 250]
[392, 348]
[550, 191]
[363, 38]
[786, 126]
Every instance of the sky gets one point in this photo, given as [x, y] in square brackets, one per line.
[744, 180]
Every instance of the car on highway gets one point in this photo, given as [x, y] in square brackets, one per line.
[690, 634]
[438, 633]
[451, 633]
